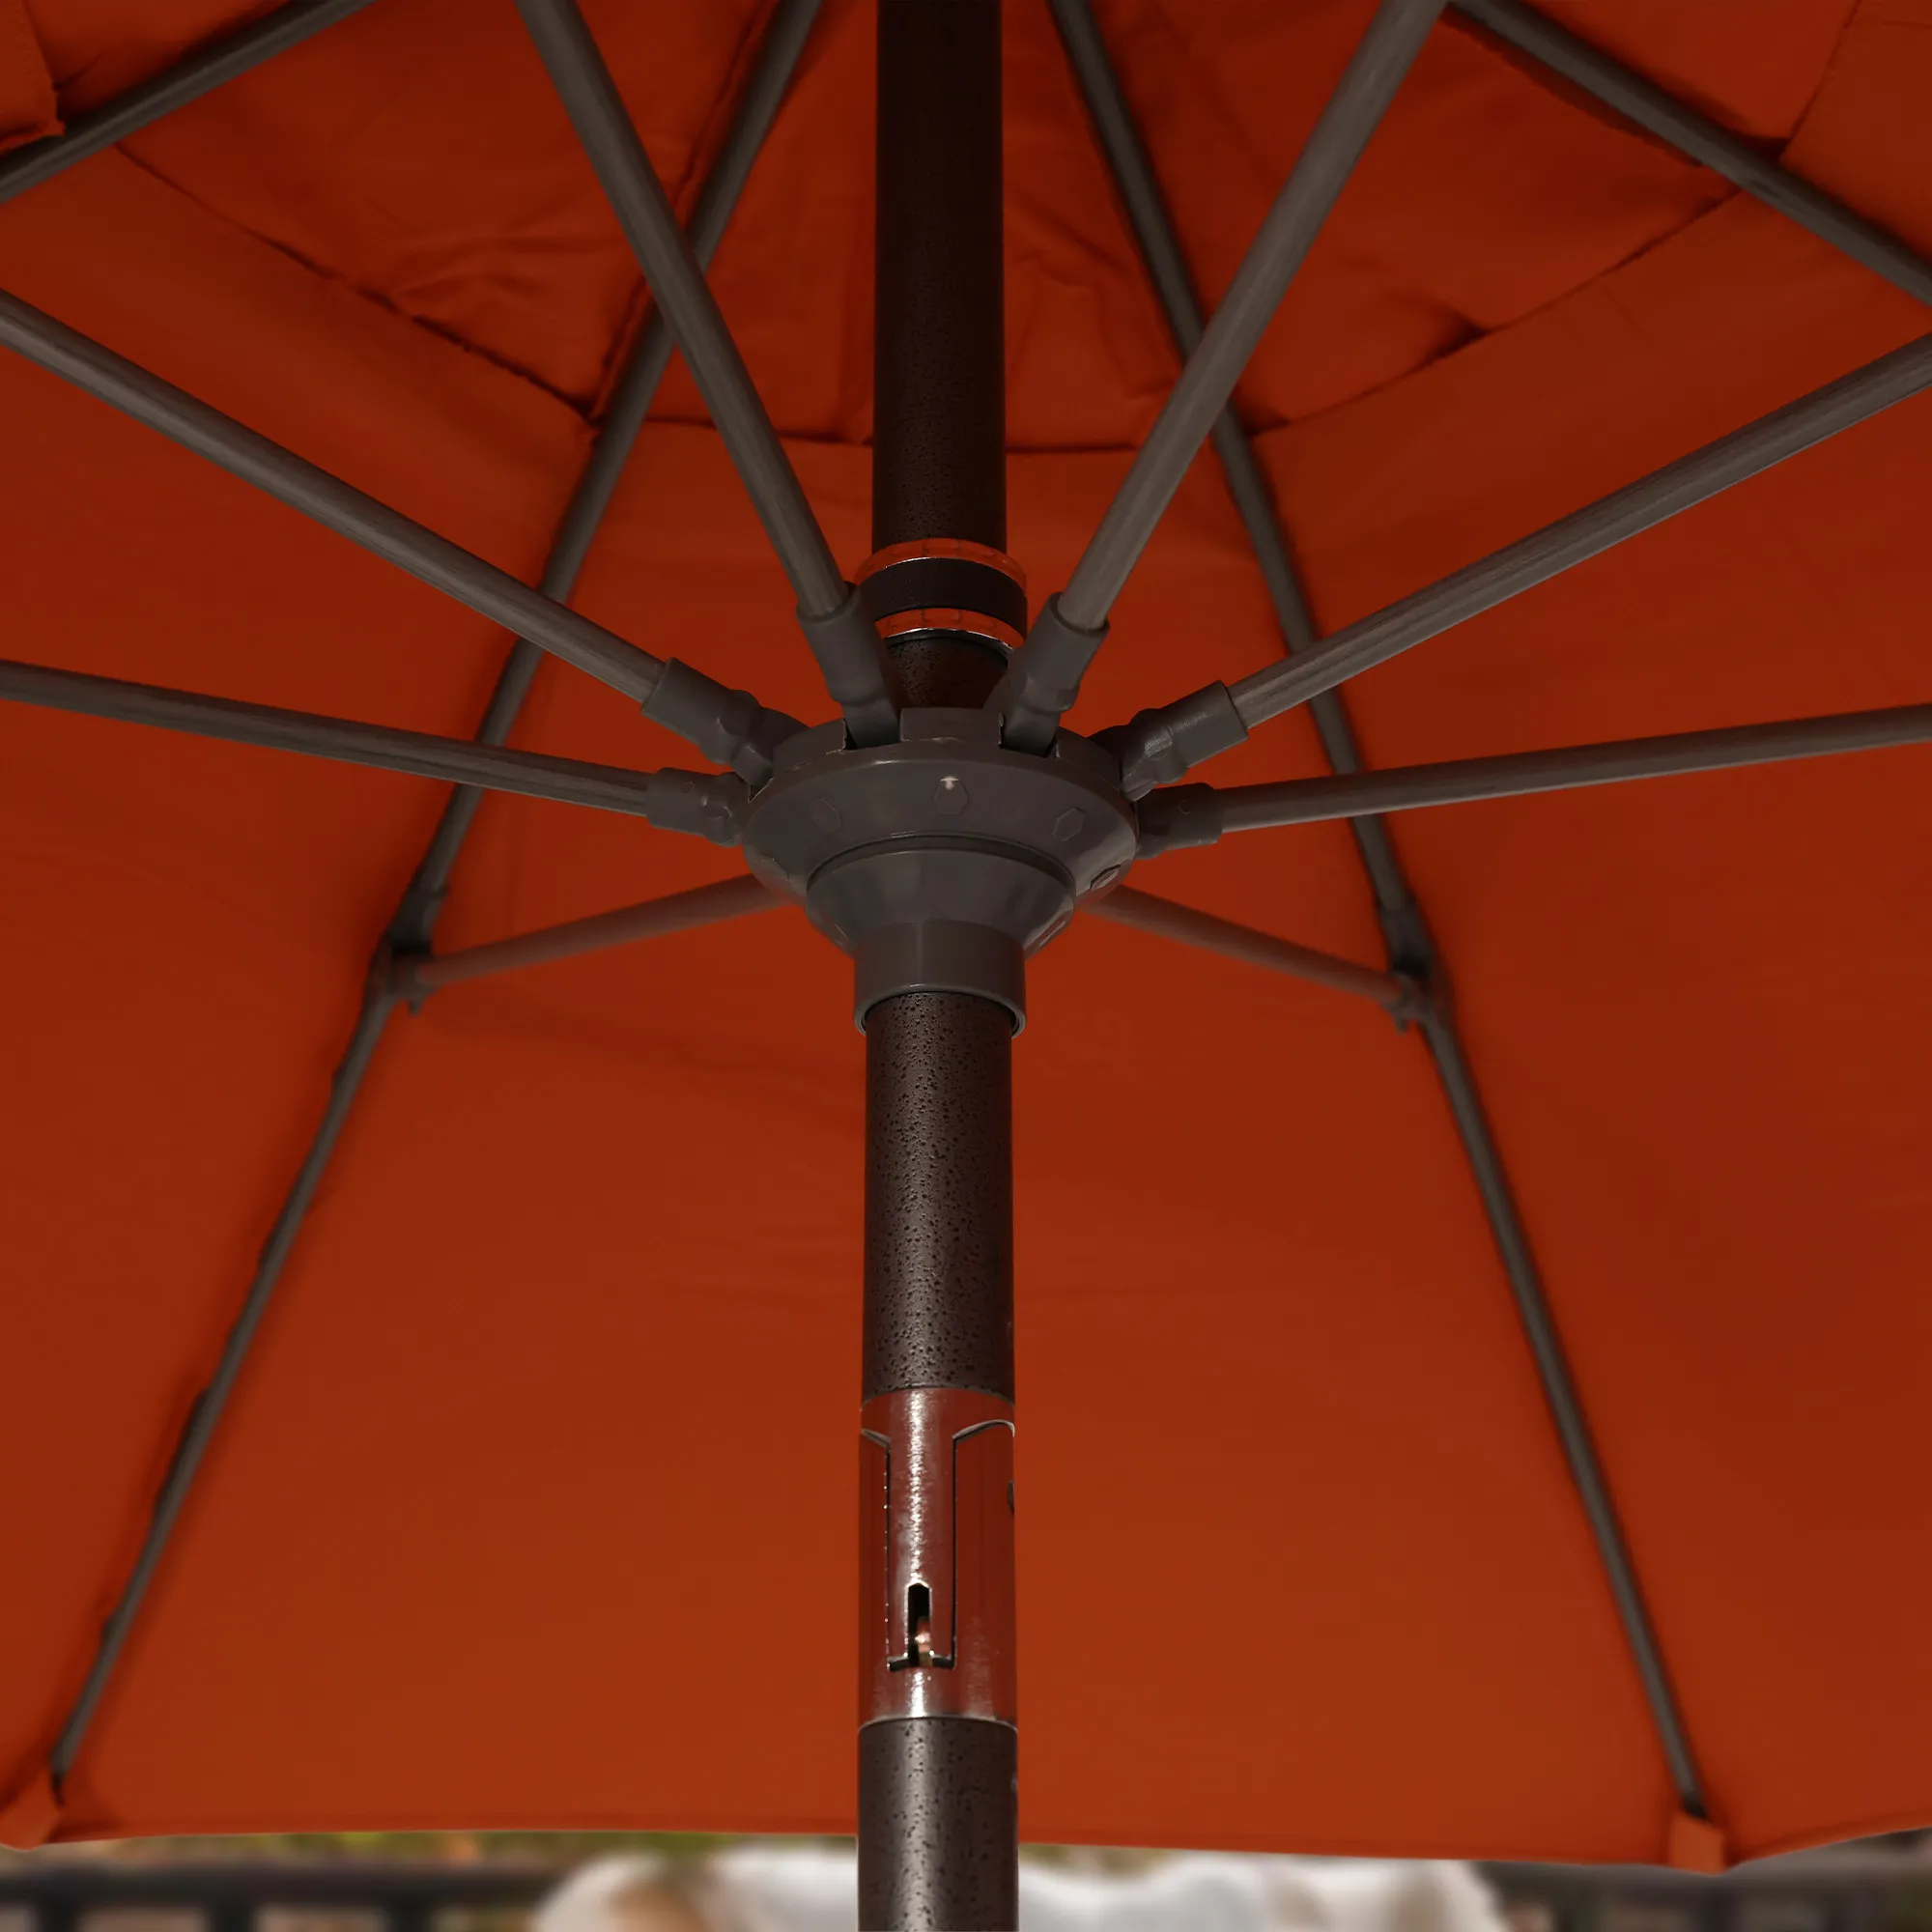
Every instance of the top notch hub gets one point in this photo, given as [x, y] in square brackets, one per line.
[940, 861]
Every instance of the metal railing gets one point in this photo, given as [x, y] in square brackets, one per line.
[1854, 1888]
[1859, 1888]
[407, 1896]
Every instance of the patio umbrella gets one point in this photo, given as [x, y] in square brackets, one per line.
[1462, 1246]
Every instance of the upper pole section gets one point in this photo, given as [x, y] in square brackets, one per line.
[939, 435]
[939, 583]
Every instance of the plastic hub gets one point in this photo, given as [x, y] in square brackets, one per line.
[941, 862]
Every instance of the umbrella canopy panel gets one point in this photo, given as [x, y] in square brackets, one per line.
[532, 1506]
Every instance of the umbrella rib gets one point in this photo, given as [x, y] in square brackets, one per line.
[728, 725]
[844, 641]
[777, 59]
[1187, 815]
[200, 72]
[1411, 948]
[414, 922]
[1396, 994]
[340, 506]
[1044, 677]
[1564, 1403]
[1167, 269]
[1161, 745]
[416, 979]
[710, 804]
[205, 1415]
[1641, 100]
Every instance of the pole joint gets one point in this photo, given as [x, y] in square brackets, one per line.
[409, 930]
[730, 728]
[1044, 679]
[936, 1542]
[1411, 948]
[1420, 1004]
[1177, 817]
[391, 975]
[857, 668]
[1162, 745]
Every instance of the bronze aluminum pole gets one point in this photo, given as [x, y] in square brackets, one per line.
[938, 1825]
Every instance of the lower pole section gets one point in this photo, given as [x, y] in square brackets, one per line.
[939, 1194]
[940, 1798]
[938, 1749]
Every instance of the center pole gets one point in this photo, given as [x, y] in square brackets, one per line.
[938, 1820]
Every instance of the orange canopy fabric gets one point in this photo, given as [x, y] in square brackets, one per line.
[534, 1506]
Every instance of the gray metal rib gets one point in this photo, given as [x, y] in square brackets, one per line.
[1173, 284]
[1612, 520]
[1565, 1404]
[654, 919]
[662, 797]
[1692, 134]
[415, 917]
[1518, 774]
[1394, 992]
[843, 639]
[206, 1415]
[349, 512]
[205, 69]
[1411, 948]
[1356, 110]
[777, 59]
[638, 198]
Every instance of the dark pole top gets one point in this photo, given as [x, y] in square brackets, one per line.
[939, 439]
